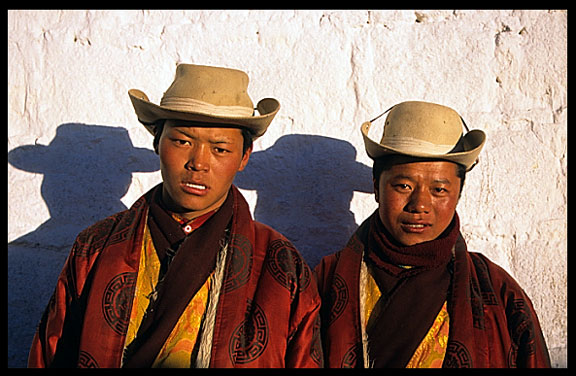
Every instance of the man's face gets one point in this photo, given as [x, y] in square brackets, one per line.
[417, 200]
[198, 166]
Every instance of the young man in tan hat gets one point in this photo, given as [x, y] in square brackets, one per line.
[405, 292]
[186, 277]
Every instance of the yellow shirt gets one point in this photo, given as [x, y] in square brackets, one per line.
[430, 353]
[177, 350]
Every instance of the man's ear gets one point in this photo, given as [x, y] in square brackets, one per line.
[157, 134]
[245, 158]
[375, 190]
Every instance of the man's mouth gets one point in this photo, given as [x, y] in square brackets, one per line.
[414, 225]
[195, 186]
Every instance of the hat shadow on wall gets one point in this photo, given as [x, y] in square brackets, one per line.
[87, 170]
[305, 184]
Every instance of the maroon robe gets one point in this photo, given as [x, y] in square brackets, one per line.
[267, 314]
[492, 320]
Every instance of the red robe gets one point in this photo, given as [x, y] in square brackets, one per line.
[492, 320]
[267, 315]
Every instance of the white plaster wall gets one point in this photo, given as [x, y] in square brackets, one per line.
[76, 152]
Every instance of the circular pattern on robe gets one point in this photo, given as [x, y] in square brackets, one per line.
[117, 301]
[85, 360]
[286, 266]
[457, 356]
[239, 263]
[250, 338]
[338, 298]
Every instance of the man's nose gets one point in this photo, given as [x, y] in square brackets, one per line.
[420, 202]
[199, 159]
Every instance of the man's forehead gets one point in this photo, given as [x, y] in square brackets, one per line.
[410, 166]
[403, 160]
[190, 129]
[192, 124]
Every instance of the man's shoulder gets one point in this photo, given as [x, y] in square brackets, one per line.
[276, 245]
[124, 218]
[105, 229]
[487, 270]
[106, 223]
[482, 263]
[264, 231]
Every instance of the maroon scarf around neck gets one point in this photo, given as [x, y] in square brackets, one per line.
[410, 298]
[388, 255]
[187, 262]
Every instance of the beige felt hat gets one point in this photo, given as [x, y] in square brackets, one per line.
[207, 94]
[425, 130]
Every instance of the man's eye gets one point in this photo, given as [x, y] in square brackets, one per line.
[221, 150]
[181, 142]
[402, 186]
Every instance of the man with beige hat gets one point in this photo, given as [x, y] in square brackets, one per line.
[185, 277]
[405, 291]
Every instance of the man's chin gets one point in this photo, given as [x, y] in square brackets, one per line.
[409, 240]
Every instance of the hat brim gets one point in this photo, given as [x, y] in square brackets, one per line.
[149, 113]
[473, 143]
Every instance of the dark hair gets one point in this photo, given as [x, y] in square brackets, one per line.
[247, 136]
[385, 163]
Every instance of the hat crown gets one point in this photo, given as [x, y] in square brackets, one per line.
[422, 125]
[425, 130]
[204, 95]
[215, 86]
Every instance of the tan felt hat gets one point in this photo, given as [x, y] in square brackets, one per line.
[210, 95]
[425, 130]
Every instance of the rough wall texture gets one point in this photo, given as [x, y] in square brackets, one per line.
[76, 152]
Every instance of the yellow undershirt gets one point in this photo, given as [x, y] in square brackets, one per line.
[430, 353]
[177, 350]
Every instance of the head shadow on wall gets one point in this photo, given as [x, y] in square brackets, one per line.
[304, 185]
[87, 170]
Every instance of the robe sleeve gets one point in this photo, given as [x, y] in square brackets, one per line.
[516, 322]
[529, 348]
[56, 341]
[51, 326]
[304, 345]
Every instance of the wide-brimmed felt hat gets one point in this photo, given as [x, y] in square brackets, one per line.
[425, 130]
[207, 95]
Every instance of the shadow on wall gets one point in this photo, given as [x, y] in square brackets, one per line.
[304, 185]
[87, 170]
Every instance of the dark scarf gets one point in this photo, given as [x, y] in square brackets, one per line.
[410, 298]
[186, 264]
